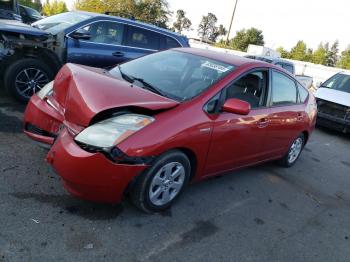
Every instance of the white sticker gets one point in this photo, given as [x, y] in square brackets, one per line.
[215, 66]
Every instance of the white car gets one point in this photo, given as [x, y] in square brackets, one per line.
[333, 102]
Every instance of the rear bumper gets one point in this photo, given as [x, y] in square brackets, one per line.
[90, 176]
[333, 122]
[41, 121]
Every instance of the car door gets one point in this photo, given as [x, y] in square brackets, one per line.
[140, 41]
[237, 140]
[104, 48]
[286, 114]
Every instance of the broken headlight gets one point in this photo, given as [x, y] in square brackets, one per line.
[46, 90]
[110, 132]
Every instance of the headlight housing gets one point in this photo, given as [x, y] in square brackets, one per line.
[46, 90]
[110, 132]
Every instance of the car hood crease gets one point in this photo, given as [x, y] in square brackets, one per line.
[84, 91]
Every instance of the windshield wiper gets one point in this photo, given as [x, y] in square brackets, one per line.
[125, 76]
[149, 86]
[146, 85]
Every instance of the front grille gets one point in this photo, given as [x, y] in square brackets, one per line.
[333, 109]
[38, 131]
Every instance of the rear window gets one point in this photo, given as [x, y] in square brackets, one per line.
[171, 43]
[283, 89]
[142, 38]
[303, 93]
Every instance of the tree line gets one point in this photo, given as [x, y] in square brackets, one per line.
[325, 54]
[157, 12]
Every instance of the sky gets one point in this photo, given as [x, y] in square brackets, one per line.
[283, 22]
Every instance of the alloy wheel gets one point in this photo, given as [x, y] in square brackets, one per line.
[295, 150]
[29, 81]
[167, 183]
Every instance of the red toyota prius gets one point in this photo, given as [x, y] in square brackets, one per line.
[152, 125]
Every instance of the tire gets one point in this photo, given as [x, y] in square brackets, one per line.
[151, 182]
[26, 74]
[290, 158]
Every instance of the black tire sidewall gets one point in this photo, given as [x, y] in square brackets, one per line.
[173, 156]
[16, 67]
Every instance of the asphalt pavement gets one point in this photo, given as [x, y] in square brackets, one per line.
[263, 213]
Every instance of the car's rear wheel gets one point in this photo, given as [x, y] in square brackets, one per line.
[25, 77]
[294, 151]
[157, 188]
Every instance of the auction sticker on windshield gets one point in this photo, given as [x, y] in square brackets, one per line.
[217, 67]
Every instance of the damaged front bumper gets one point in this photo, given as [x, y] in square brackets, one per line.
[42, 122]
[90, 176]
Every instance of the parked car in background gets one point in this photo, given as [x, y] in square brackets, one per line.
[306, 81]
[29, 15]
[9, 9]
[333, 100]
[289, 66]
[151, 125]
[31, 55]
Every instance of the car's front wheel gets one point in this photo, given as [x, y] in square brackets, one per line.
[294, 151]
[157, 188]
[27, 76]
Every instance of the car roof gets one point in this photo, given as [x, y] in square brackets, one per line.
[272, 59]
[130, 21]
[222, 57]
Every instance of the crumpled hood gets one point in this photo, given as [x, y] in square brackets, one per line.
[84, 91]
[21, 28]
[335, 96]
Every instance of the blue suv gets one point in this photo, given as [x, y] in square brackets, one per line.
[30, 56]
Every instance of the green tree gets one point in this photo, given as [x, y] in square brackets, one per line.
[284, 53]
[344, 61]
[182, 22]
[320, 55]
[300, 52]
[207, 26]
[218, 31]
[150, 11]
[332, 56]
[245, 37]
[96, 6]
[54, 7]
[36, 4]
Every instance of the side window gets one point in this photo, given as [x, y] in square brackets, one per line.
[303, 93]
[211, 105]
[171, 43]
[250, 88]
[283, 89]
[142, 38]
[106, 32]
[289, 68]
[22, 11]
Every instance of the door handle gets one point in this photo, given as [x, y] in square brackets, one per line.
[300, 117]
[264, 122]
[118, 54]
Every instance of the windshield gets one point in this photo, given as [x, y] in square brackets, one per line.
[339, 82]
[33, 13]
[175, 74]
[60, 22]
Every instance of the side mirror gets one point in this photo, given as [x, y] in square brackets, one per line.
[81, 34]
[236, 106]
[318, 84]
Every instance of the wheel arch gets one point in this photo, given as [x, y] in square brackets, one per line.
[306, 136]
